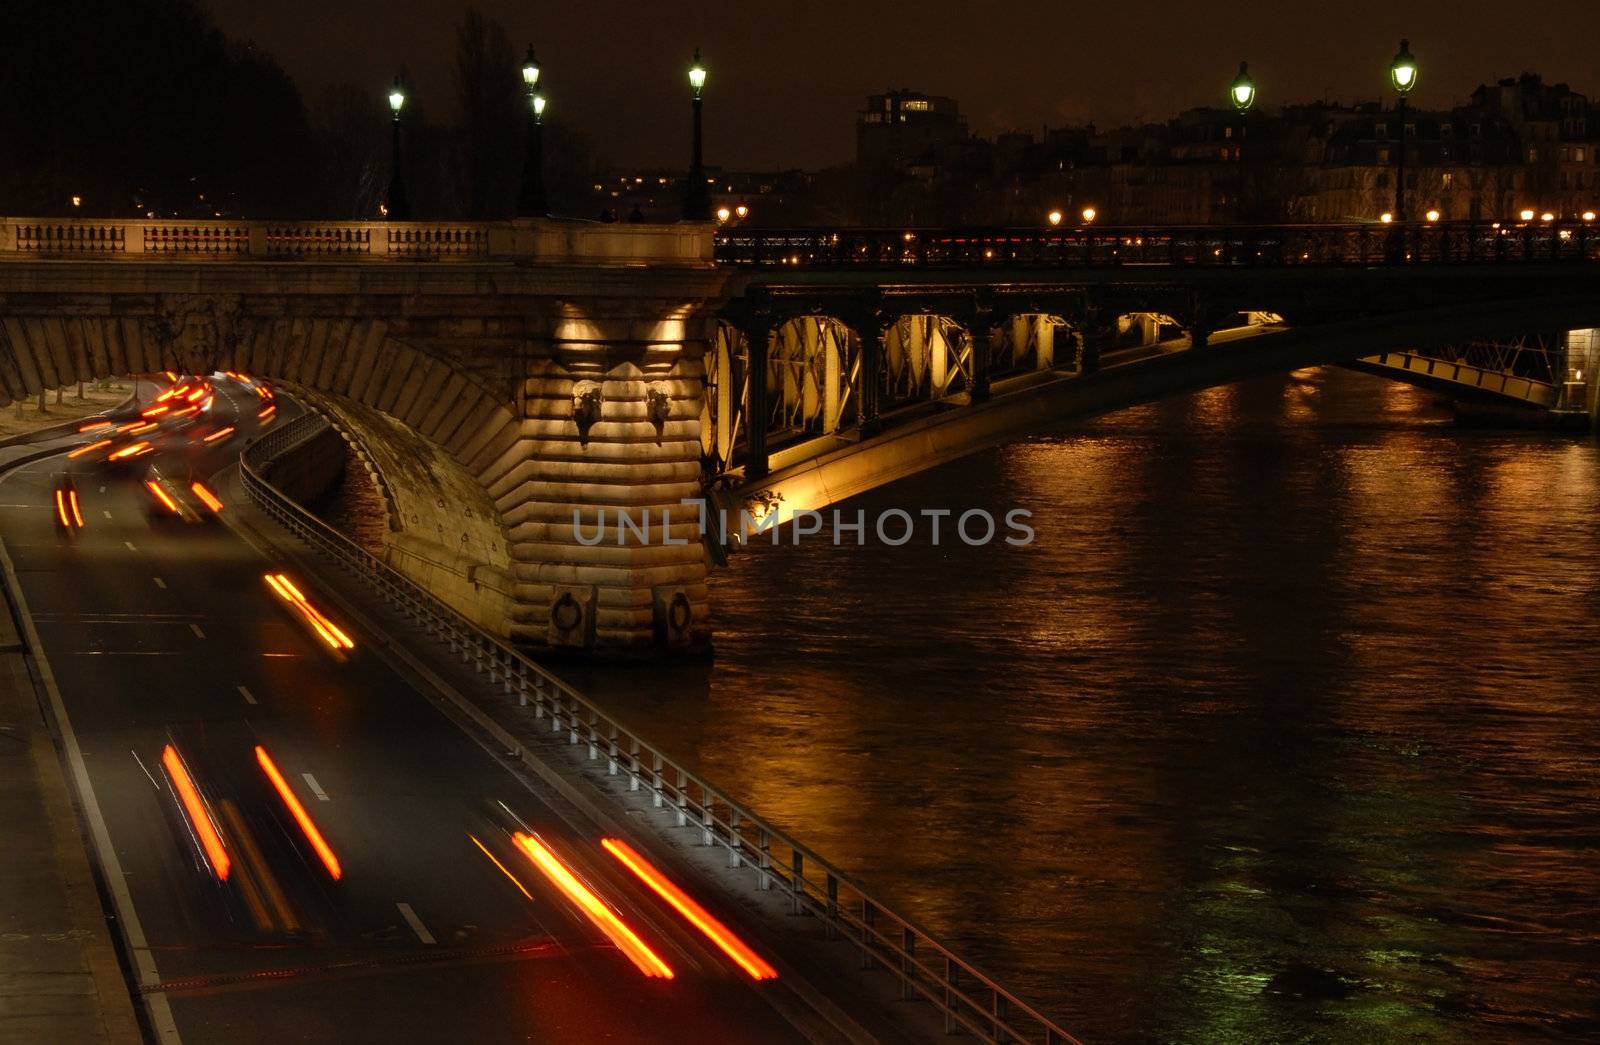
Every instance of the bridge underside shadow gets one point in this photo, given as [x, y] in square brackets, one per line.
[927, 441]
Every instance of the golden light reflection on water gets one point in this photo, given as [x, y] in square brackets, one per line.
[1284, 728]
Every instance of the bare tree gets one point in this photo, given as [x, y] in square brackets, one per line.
[489, 91]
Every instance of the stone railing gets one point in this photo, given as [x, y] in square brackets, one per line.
[536, 241]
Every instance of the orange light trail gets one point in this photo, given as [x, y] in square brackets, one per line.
[221, 433]
[130, 451]
[330, 632]
[148, 426]
[130, 424]
[72, 502]
[601, 915]
[268, 410]
[301, 817]
[207, 498]
[161, 495]
[186, 411]
[210, 841]
[514, 881]
[696, 915]
[196, 394]
[61, 508]
[155, 411]
[89, 448]
[170, 375]
[93, 425]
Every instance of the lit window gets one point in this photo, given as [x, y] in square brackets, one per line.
[874, 117]
[1577, 154]
[916, 105]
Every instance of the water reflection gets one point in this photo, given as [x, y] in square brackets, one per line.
[1284, 729]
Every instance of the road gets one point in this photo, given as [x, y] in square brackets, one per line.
[160, 632]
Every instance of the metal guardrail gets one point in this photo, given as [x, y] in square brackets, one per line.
[926, 969]
[1201, 246]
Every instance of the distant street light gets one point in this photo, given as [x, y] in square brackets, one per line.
[531, 201]
[1403, 74]
[1243, 89]
[1243, 94]
[723, 213]
[696, 197]
[1547, 216]
[1588, 215]
[1432, 215]
[1386, 217]
[1054, 217]
[1089, 214]
[1526, 215]
[741, 212]
[397, 207]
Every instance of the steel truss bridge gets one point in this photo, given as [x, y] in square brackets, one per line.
[846, 358]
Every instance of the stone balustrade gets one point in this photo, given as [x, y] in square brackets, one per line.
[537, 241]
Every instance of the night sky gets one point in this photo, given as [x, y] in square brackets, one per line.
[787, 78]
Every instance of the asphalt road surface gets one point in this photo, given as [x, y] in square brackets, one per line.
[160, 631]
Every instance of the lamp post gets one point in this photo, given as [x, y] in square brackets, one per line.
[1403, 74]
[398, 208]
[696, 197]
[1242, 92]
[531, 201]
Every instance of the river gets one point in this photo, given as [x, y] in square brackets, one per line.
[1283, 729]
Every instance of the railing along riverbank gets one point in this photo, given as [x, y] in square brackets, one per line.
[968, 999]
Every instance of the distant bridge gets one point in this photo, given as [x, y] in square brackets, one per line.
[980, 336]
[509, 377]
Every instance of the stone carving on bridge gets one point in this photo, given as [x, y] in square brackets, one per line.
[196, 331]
[586, 401]
[660, 408]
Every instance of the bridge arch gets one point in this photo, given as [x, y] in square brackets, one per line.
[926, 441]
[431, 427]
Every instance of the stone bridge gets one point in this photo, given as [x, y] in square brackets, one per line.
[518, 384]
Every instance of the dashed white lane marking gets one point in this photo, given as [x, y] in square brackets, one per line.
[129, 546]
[197, 632]
[247, 695]
[105, 513]
[159, 582]
[416, 923]
[316, 788]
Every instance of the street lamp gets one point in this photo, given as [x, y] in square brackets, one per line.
[1432, 215]
[1054, 218]
[1243, 94]
[397, 208]
[1243, 89]
[532, 201]
[1525, 214]
[1089, 214]
[1588, 215]
[1403, 74]
[741, 212]
[696, 197]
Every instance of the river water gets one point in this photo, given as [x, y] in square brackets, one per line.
[1284, 728]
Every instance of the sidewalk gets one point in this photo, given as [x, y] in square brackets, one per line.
[60, 980]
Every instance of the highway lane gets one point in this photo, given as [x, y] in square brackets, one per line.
[159, 631]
